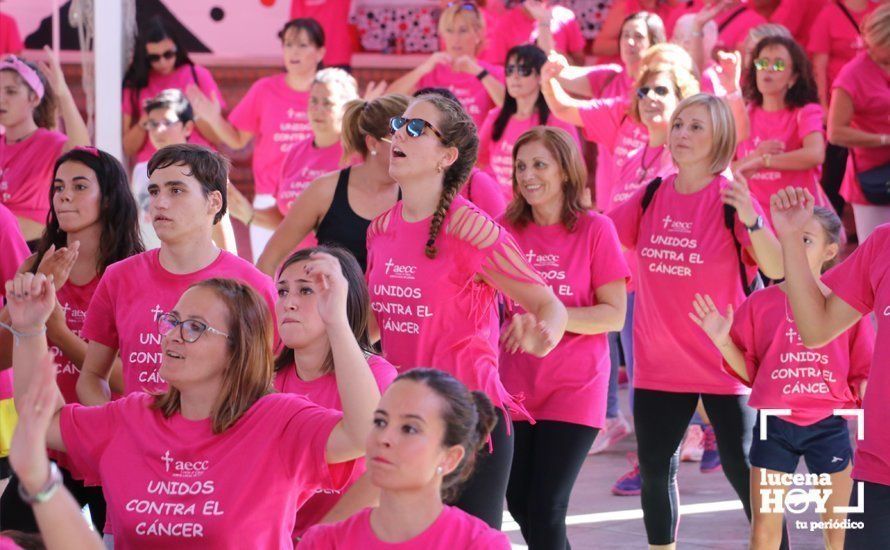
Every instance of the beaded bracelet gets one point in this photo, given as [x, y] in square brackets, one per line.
[18, 335]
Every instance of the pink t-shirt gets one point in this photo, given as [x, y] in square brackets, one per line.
[863, 281]
[276, 116]
[173, 483]
[26, 173]
[180, 79]
[453, 529]
[516, 27]
[833, 34]
[340, 40]
[570, 383]
[323, 392]
[869, 88]
[787, 375]
[789, 126]
[10, 39]
[13, 252]
[132, 294]
[74, 300]
[438, 312]
[302, 164]
[682, 248]
[483, 191]
[618, 136]
[734, 28]
[468, 89]
[496, 157]
[795, 15]
[609, 80]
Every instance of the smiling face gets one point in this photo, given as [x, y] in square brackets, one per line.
[299, 323]
[17, 100]
[164, 48]
[412, 156]
[770, 81]
[539, 178]
[301, 55]
[178, 207]
[656, 108]
[77, 197]
[404, 448]
[520, 86]
[459, 36]
[691, 135]
[633, 41]
[204, 361]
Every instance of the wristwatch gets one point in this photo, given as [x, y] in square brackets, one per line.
[756, 226]
[482, 74]
[47, 491]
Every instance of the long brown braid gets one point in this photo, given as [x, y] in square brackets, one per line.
[458, 130]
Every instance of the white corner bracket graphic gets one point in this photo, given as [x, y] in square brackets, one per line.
[860, 502]
[764, 413]
[860, 420]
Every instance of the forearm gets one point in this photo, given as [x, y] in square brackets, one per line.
[734, 358]
[496, 90]
[554, 317]
[26, 355]
[363, 494]
[134, 139]
[227, 133]
[847, 136]
[594, 319]
[820, 72]
[739, 114]
[355, 382]
[768, 253]
[294, 227]
[574, 80]
[62, 525]
[808, 304]
[545, 37]
[563, 106]
[75, 127]
[267, 217]
[407, 83]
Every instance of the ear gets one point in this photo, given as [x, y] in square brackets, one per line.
[371, 143]
[214, 202]
[450, 157]
[321, 53]
[188, 128]
[452, 459]
[831, 252]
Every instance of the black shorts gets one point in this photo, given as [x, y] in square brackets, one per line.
[825, 445]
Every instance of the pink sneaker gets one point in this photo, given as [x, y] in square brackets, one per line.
[710, 461]
[692, 448]
[631, 483]
[616, 429]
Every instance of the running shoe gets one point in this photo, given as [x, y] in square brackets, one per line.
[616, 429]
[691, 449]
[710, 460]
[629, 484]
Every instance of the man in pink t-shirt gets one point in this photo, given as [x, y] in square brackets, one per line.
[188, 197]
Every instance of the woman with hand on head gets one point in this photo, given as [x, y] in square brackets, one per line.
[435, 266]
[31, 99]
[429, 431]
[307, 366]
[178, 456]
[339, 206]
[565, 391]
[92, 223]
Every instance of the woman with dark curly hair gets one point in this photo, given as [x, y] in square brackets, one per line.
[435, 266]
[785, 143]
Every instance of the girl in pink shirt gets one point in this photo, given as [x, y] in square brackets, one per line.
[785, 144]
[858, 286]
[761, 346]
[435, 265]
[173, 464]
[160, 62]
[93, 222]
[30, 101]
[428, 429]
[477, 84]
[524, 108]
[307, 367]
[687, 231]
[578, 253]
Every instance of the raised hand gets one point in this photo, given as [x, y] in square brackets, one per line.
[374, 90]
[206, 108]
[526, 333]
[707, 316]
[30, 301]
[537, 9]
[27, 454]
[466, 64]
[59, 263]
[331, 288]
[438, 58]
[790, 209]
[737, 195]
[729, 70]
[770, 147]
[551, 69]
[52, 70]
[239, 207]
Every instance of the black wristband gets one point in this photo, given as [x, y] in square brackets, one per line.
[482, 74]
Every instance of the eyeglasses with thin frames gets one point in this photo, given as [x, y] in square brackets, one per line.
[190, 329]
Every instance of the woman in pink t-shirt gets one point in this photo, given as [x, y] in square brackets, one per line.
[307, 367]
[478, 85]
[32, 100]
[687, 231]
[762, 347]
[524, 108]
[435, 266]
[93, 222]
[785, 144]
[219, 458]
[160, 62]
[428, 431]
[310, 158]
[578, 253]
[339, 206]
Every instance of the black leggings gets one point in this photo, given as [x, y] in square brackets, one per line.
[875, 518]
[483, 494]
[546, 461]
[16, 514]
[660, 419]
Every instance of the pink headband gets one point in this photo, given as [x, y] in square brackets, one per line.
[28, 74]
[87, 149]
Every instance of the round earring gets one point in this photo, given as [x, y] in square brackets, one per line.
[439, 168]
[373, 153]
[439, 470]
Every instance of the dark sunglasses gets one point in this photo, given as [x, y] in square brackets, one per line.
[469, 6]
[190, 329]
[155, 57]
[414, 126]
[523, 70]
[643, 91]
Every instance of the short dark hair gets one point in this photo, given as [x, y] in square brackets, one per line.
[444, 92]
[173, 99]
[207, 166]
[313, 29]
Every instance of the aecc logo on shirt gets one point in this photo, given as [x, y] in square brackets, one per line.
[184, 468]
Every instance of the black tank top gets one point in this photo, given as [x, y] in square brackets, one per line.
[341, 226]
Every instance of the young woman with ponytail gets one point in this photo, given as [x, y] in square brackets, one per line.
[435, 266]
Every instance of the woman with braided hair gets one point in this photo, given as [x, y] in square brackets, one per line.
[435, 266]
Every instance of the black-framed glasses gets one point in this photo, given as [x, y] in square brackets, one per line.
[155, 57]
[413, 126]
[643, 91]
[523, 70]
[190, 329]
[763, 64]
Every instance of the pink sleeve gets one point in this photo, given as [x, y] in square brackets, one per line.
[86, 432]
[13, 249]
[599, 76]
[384, 372]
[318, 537]
[100, 324]
[602, 119]
[246, 115]
[809, 120]
[482, 190]
[609, 264]
[742, 334]
[208, 84]
[491, 540]
[820, 40]
[574, 39]
[483, 159]
[626, 217]
[848, 80]
[851, 280]
[127, 102]
[862, 346]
